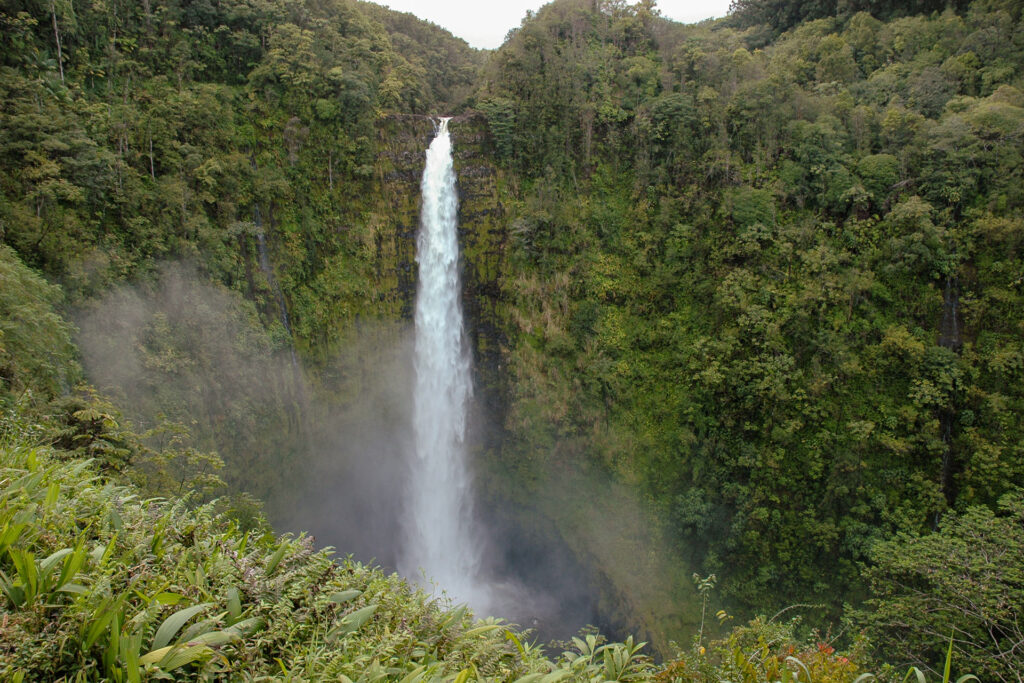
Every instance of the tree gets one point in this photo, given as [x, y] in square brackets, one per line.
[36, 353]
[783, 15]
[967, 579]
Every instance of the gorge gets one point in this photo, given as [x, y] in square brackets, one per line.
[740, 300]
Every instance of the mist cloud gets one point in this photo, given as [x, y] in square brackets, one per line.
[329, 453]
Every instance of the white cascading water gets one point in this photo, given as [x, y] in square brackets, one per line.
[440, 539]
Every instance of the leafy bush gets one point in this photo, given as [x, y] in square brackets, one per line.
[36, 353]
[98, 584]
[966, 579]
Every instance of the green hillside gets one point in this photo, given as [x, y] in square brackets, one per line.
[772, 285]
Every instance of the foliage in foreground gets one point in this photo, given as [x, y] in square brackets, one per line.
[98, 584]
[769, 651]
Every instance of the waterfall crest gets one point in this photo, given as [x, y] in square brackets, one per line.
[441, 541]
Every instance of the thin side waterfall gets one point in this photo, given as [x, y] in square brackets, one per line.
[441, 541]
[275, 287]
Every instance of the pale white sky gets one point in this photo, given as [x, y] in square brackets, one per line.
[484, 23]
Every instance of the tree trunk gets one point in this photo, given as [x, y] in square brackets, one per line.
[56, 33]
[152, 169]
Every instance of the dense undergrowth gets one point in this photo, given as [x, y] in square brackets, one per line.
[102, 584]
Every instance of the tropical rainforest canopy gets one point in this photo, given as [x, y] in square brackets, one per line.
[746, 300]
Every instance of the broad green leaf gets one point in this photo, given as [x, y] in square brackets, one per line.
[113, 643]
[26, 517]
[948, 668]
[130, 647]
[25, 565]
[215, 638]
[352, 622]
[155, 655]
[225, 636]
[916, 672]
[52, 493]
[342, 597]
[10, 534]
[242, 544]
[555, 676]
[529, 678]
[72, 565]
[454, 616]
[173, 624]
[180, 656]
[276, 558]
[480, 630]
[28, 482]
[167, 598]
[115, 519]
[414, 676]
[101, 554]
[247, 626]
[97, 627]
[200, 627]
[509, 635]
[234, 604]
[359, 617]
[611, 664]
[53, 559]
[14, 592]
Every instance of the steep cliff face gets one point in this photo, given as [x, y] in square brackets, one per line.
[534, 542]
[484, 241]
[402, 141]
[557, 520]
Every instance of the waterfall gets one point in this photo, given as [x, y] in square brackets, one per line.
[949, 330]
[268, 272]
[440, 536]
[950, 337]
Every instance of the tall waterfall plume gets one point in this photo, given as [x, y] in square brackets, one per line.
[441, 539]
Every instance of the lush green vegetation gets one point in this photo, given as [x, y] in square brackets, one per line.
[785, 14]
[135, 588]
[751, 288]
[776, 285]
